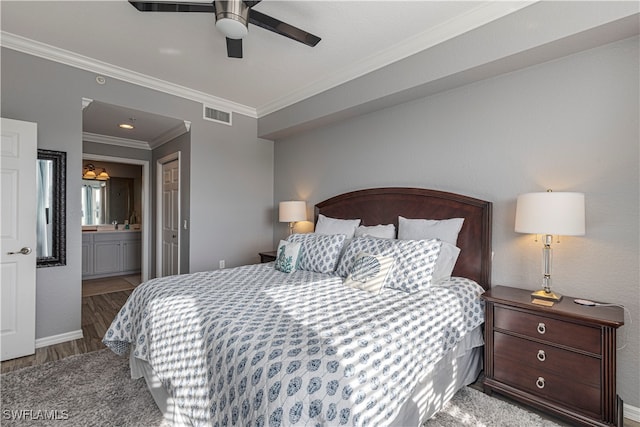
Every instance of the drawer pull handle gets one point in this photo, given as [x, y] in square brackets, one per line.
[540, 382]
[541, 328]
[541, 355]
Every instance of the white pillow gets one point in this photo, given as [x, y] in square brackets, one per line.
[327, 225]
[369, 272]
[287, 256]
[446, 262]
[387, 231]
[417, 229]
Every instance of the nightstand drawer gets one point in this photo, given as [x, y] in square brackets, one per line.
[547, 385]
[563, 363]
[551, 330]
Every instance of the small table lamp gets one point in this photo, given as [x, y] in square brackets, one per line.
[292, 211]
[550, 214]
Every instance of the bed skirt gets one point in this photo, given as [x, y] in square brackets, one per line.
[460, 367]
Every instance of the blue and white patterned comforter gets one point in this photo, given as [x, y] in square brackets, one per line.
[252, 346]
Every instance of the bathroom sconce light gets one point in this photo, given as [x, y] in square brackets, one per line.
[90, 173]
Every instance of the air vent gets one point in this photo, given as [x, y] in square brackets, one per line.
[217, 115]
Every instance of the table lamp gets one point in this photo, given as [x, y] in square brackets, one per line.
[292, 211]
[549, 213]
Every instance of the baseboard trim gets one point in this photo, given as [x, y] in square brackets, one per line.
[631, 412]
[57, 339]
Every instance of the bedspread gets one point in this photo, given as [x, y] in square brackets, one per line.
[254, 346]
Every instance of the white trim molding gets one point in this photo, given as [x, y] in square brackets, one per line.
[60, 338]
[114, 140]
[63, 56]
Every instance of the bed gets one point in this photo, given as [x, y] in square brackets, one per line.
[255, 346]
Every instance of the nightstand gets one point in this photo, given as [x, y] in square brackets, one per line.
[559, 359]
[267, 256]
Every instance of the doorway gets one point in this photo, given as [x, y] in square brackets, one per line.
[168, 220]
[141, 217]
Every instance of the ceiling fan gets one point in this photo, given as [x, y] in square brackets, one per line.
[232, 20]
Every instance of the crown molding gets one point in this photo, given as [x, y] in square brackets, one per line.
[113, 140]
[72, 59]
[477, 17]
[173, 133]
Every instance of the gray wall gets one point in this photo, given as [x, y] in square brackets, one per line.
[231, 174]
[570, 125]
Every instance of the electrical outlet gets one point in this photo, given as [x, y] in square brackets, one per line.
[221, 263]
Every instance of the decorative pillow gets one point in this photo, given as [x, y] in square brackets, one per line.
[387, 231]
[446, 230]
[446, 262]
[366, 244]
[319, 252]
[328, 225]
[369, 272]
[414, 260]
[287, 256]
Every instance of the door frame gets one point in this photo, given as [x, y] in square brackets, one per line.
[159, 209]
[146, 204]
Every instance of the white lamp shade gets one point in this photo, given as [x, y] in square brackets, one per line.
[293, 211]
[560, 214]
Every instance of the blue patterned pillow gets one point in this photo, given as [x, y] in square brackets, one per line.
[319, 252]
[287, 256]
[371, 245]
[369, 272]
[414, 260]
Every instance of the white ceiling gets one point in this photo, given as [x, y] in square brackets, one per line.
[185, 49]
[183, 53]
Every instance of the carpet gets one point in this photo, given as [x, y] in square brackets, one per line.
[471, 407]
[96, 389]
[92, 389]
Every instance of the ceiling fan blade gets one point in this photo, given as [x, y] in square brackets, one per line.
[251, 3]
[150, 6]
[282, 28]
[234, 48]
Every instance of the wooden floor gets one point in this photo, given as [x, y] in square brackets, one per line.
[97, 313]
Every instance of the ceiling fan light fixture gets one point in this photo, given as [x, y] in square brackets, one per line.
[232, 18]
[232, 28]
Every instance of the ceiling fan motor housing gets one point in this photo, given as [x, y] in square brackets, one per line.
[232, 18]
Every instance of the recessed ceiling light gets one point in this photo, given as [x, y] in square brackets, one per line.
[128, 125]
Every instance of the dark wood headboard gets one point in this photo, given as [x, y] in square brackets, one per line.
[383, 205]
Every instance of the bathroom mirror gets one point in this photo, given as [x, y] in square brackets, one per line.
[104, 202]
[51, 234]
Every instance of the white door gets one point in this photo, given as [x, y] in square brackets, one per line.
[18, 155]
[170, 218]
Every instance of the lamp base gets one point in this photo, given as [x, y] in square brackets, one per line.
[546, 295]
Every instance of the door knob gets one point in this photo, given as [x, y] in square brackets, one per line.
[24, 251]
